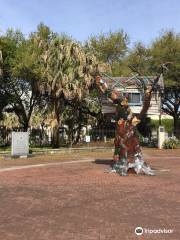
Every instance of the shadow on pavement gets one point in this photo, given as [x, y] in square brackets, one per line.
[103, 161]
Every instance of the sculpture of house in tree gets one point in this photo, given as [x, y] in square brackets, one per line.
[132, 88]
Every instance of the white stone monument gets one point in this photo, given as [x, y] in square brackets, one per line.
[161, 137]
[20, 144]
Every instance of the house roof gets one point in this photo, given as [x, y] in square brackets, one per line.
[124, 82]
[132, 84]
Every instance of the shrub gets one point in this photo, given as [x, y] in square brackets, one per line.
[167, 123]
[171, 143]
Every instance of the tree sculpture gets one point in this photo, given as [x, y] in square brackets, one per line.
[127, 152]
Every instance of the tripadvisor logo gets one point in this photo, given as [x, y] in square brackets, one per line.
[138, 230]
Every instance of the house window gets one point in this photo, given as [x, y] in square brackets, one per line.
[133, 98]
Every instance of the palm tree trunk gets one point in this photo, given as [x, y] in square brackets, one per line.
[55, 128]
[55, 137]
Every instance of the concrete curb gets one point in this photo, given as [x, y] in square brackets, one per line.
[60, 150]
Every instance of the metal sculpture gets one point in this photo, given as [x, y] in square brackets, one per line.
[127, 153]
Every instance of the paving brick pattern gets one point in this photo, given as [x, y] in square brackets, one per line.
[79, 201]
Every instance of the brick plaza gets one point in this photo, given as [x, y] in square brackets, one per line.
[71, 197]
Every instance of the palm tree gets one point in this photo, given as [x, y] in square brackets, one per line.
[68, 74]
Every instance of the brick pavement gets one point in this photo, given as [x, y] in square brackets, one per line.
[79, 201]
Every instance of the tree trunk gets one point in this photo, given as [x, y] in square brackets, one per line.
[25, 126]
[55, 136]
[24, 122]
[58, 108]
[176, 127]
[79, 127]
[78, 134]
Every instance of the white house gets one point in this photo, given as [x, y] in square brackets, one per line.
[133, 89]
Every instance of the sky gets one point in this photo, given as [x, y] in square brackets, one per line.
[143, 20]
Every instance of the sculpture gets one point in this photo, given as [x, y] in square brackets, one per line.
[127, 153]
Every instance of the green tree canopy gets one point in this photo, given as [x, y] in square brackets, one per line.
[162, 55]
[166, 49]
[21, 74]
[109, 48]
[139, 59]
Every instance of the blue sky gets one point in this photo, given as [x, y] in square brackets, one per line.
[143, 20]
